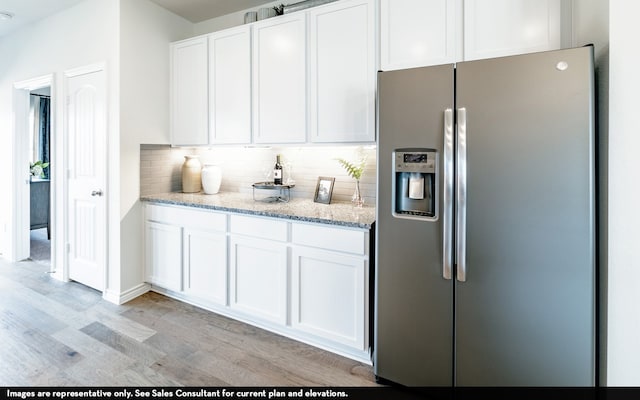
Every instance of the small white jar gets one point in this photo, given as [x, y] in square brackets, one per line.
[211, 178]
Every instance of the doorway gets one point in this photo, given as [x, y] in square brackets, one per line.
[40, 175]
[34, 211]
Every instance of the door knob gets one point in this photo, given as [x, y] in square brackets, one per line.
[96, 192]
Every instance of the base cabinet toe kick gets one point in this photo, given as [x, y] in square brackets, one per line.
[304, 280]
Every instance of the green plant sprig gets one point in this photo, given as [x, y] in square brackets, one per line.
[37, 168]
[353, 169]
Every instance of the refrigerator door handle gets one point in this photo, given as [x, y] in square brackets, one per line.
[447, 197]
[461, 196]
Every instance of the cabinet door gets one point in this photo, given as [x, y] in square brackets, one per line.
[343, 72]
[259, 278]
[505, 27]
[164, 255]
[205, 261]
[189, 106]
[328, 295]
[417, 33]
[230, 86]
[279, 80]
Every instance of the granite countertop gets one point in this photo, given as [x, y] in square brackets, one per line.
[297, 209]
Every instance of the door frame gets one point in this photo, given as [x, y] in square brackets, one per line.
[20, 208]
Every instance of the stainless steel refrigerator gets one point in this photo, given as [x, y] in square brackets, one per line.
[485, 239]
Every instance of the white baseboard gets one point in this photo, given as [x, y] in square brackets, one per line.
[127, 295]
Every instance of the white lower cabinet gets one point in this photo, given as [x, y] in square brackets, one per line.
[328, 295]
[163, 255]
[205, 265]
[259, 278]
[307, 281]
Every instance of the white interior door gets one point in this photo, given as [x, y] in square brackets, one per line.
[86, 173]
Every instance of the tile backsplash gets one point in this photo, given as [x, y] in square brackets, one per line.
[160, 168]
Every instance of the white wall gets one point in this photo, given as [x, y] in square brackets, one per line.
[146, 30]
[623, 336]
[229, 20]
[84, 34]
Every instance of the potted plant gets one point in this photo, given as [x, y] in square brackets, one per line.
[36, 169]
[355, 170]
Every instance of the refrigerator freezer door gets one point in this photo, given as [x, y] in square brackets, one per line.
[414, 303]
[525, 315]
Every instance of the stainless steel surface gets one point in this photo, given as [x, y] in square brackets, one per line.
[96, 192]
[289, 8]
[447, 196]
[414, 304]
[461, 196]
[523, 225]
[527, 307]
[271, 185]
[274, 193]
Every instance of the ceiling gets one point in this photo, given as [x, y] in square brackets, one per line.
[28, 11]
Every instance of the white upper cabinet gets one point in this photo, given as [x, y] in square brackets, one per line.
[280, 80]
[189, 98]
[309, 76]
[417, 32]
[505, 27]
[342, 72]
[230, 86]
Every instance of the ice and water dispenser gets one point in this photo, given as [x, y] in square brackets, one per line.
[415, 184]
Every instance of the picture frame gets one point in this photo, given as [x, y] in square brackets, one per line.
[324, 189]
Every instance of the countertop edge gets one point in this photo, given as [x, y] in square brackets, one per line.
[272, 214]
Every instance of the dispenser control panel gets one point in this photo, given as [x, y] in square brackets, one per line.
[423, 161]
[415, 189]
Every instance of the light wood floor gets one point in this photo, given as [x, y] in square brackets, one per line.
[63, 334]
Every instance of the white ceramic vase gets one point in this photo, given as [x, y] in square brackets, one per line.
[191, 174]
[211, 178]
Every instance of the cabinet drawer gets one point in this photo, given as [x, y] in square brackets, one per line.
[187, 217]
[259, 227]
[337, 239]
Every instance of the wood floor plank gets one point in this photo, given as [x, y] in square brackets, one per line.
[53, 377]
[33, 343]
[140, 375]
[92, 373]
[104, 356]
[245, 369]
[17, 368]
[185, 373]
[37, 318]
[61, 312]
[140, 352]
[124, 326]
